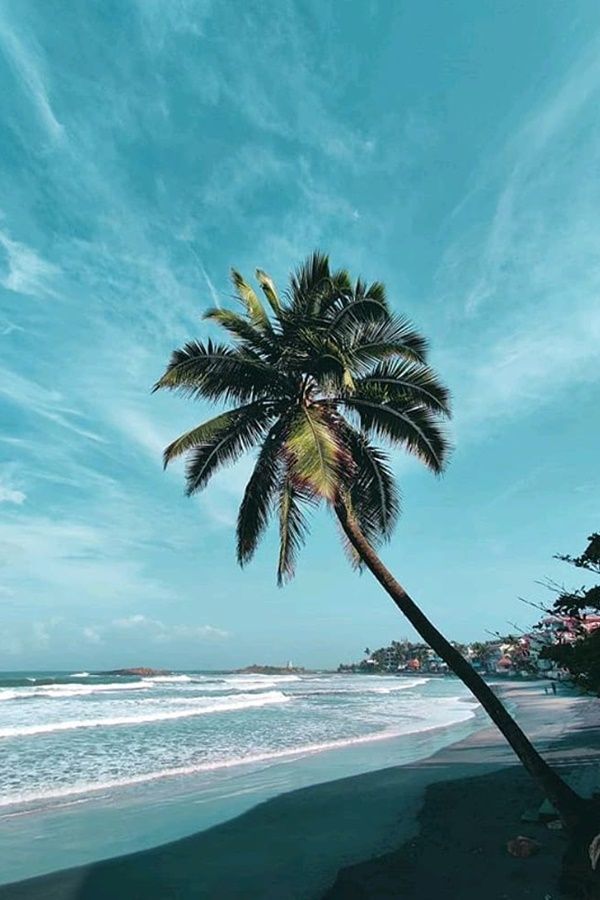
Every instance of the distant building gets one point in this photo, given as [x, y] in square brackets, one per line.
[509, 656]
[504, 665]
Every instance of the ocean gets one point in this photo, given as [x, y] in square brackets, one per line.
[95, 766]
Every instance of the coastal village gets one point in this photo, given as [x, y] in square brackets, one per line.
[515, 656]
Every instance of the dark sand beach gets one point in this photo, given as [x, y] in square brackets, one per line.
[433, 830]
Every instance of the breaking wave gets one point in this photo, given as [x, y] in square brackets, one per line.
[225, 704]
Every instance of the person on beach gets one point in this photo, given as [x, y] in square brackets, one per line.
[553, 687]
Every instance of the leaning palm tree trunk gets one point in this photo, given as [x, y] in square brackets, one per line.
[570, 806]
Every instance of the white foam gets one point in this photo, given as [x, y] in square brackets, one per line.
[69, 690]
[466, 713]
[79, 675]
[58, 691]
[351, 689]
[246, 681]
[167, 679]
[259, 676]
[223, 704]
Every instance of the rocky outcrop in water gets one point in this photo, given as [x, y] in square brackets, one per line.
[270, 670]
[141, 672]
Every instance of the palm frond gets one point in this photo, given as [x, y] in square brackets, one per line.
[412, 427]
[372, 490]
[376, 291]
[308, 280]
[198, 435]
[241, 328]
[258, 497]
[217, 372]
[335, 291]
[269, 290]
[249, 299]
[314, 452]
[375, 339]
[357, 310]
[239, 430]
[408, 381]
[320, 356]
[293, 528]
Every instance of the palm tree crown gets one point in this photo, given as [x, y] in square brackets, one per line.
[313, 377]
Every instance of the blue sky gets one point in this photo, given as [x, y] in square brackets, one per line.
[450, 150]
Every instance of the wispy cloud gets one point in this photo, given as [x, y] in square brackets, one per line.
[532, 285]
[92, 634]
[161, 632]
[127, 636]
[240, 71]
[143, 431]
[25, 272]
[10, 495]
[179, 16]
[77, 562]
[25, 62]
[245, 173]
[531, 367]
[9, 492]
[40, 401]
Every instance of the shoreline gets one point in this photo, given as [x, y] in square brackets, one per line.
[464, 824]
[295, 754]
[327, 827]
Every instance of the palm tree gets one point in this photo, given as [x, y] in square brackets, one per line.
[314, 377]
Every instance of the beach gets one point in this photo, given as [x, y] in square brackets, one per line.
[431, 829]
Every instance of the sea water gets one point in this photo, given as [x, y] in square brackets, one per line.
[96, 765]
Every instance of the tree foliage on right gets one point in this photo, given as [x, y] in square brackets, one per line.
[580, 657]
